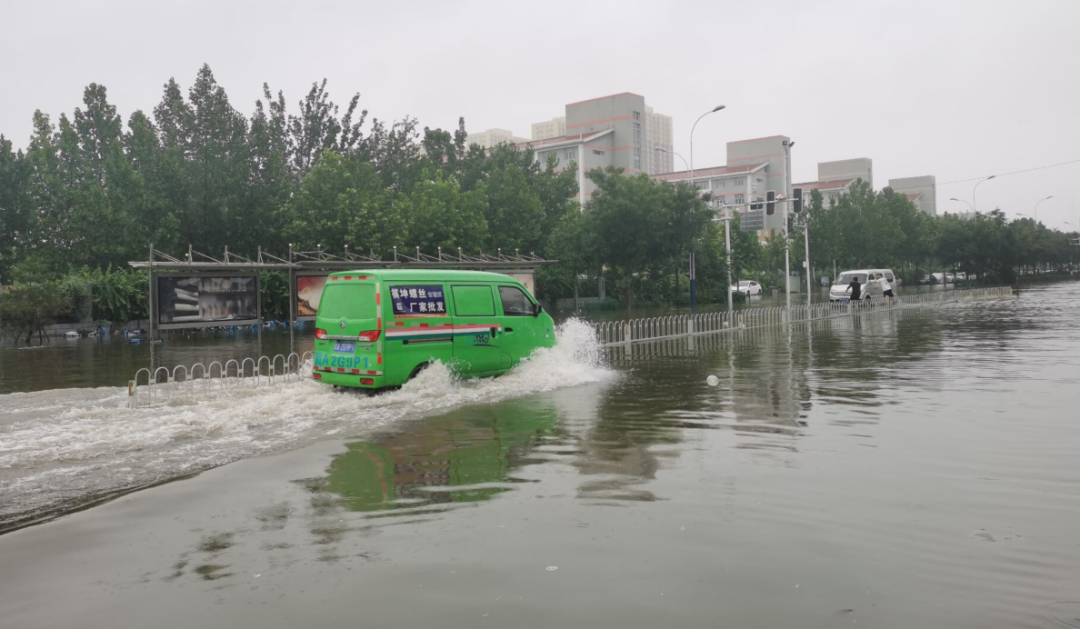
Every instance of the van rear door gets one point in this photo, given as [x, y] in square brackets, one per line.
[348, 327]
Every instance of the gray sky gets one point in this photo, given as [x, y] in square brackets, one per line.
[956, 89]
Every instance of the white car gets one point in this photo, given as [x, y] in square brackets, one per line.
[870, 289]
[747, 287]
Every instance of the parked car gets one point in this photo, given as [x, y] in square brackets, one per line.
[747, 287]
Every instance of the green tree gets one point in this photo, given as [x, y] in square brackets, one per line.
[32, 300]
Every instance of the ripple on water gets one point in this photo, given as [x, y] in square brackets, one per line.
[55, 457]
[1064, 614]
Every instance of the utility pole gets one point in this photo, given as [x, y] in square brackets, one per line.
[693, 275]
[787, 237]
[727, 242]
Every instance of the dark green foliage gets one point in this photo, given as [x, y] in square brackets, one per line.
[90, 193]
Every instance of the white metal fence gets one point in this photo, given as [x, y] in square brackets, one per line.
[659, 328]
[163, 384]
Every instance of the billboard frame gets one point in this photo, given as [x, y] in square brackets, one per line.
[154, 310]
[293, 296]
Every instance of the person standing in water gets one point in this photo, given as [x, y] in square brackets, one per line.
[886, 288]
[855, 288]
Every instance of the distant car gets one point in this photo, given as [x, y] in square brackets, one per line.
[747, 287]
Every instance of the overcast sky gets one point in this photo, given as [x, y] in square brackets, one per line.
[956, 89]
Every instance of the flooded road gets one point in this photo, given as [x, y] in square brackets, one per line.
[896, 469]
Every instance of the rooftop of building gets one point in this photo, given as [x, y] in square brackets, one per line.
[564, 139]
[823, 185]
[768, 137]
[713, 171]
[589, 100]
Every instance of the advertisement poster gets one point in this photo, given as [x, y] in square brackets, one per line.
[309, 289]
[527, 279]
[206, 300]
[418, 301]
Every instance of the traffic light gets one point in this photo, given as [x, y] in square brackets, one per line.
[770, 203]
[796, 204]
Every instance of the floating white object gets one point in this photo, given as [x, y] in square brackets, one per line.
[712, 381]
[552, 568]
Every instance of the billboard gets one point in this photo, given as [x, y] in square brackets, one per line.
[752, 220]
[306, 294]
[197, 301]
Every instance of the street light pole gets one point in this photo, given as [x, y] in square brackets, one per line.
[787, 236]
[693, 277]
[1037, 206]
[727, 231]
[974, 205]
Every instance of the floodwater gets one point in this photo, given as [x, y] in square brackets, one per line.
[895, 469]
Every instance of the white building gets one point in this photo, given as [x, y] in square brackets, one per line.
[659, 134]
[656, 132]
[493, 137]
[836, 178]
[754, 167]
[554, 128]
[845, 169]
[922, 191]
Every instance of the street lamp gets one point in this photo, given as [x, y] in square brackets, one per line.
[965, 203]
[693, 276]
[663, 150]
[711, 111]
[974, 205]
[1037, 206]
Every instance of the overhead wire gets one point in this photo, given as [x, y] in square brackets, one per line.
[1015, 172]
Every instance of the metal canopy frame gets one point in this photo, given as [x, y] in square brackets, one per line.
[311, 262]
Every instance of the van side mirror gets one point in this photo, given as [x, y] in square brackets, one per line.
[537, 309]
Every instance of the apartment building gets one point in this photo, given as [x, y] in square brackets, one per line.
[493, 137]
[922, 191]
[754, 167]
[554, 128]
[656, 129]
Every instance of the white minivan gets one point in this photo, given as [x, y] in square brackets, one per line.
[839, 289]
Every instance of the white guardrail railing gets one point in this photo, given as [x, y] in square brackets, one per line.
[162, 383]
[613, 333]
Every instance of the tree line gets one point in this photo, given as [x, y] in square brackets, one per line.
[91, 191]
[866, 228]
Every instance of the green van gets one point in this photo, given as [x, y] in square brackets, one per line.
[379, 328]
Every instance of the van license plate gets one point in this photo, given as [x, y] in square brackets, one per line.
[343, 346]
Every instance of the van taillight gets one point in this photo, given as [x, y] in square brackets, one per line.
[368, 381]
[370, 336]
[320, 334]
[316, 375]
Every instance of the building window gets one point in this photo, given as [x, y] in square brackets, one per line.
[569, 155]
[637, 115]
[741, 181]
[596, 152]
[702, 185]
[637, 158]
[740, 199]
[718, 183]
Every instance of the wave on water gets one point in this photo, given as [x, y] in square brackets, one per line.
[63, 448]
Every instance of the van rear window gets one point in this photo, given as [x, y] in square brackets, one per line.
[348, 300]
